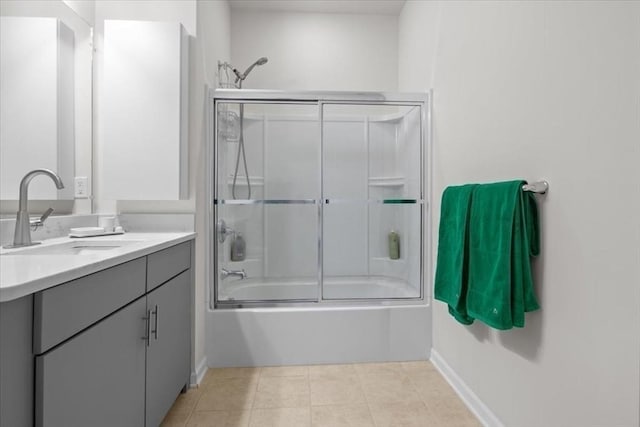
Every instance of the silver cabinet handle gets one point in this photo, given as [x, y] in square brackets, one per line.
[147, 320]
[155, 326]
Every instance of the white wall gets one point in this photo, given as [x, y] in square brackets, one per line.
[213, 37]
[544, 90]
[316, 51]
[86, 9]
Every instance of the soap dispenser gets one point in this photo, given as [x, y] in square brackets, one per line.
[238, 248]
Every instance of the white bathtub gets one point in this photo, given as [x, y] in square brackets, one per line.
[321, 332]
[371, 287]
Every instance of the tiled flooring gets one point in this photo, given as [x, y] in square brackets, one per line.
[368, 394]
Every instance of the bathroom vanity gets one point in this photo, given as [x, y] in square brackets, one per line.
[111, 347]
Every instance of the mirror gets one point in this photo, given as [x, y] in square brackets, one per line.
[46, 105]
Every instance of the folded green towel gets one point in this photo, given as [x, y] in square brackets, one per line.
[451, 270]
[503, 234]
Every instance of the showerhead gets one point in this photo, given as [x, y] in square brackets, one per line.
[240, 77]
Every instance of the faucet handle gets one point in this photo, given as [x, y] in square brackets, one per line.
[38, 222]
[46, 214]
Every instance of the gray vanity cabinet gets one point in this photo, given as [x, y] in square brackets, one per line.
[167, 361]
[113, 349]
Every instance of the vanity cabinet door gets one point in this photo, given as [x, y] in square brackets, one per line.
[168, 354]
[97, 377]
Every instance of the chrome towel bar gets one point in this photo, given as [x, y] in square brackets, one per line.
[540, 187]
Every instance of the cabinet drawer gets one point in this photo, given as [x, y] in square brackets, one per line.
[167, 263]
[65, 310]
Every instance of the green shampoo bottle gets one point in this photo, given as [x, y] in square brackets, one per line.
[394, 245]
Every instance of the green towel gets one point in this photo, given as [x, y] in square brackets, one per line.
[503, 234]
[451, 270]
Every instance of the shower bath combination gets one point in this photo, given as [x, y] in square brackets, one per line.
[240, 77]
[334, 174]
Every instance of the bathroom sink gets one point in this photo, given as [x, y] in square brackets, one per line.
[86, 247]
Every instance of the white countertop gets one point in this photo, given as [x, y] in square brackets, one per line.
[21, 275]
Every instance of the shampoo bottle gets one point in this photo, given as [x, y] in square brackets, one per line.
[238, 248]
[394, 245]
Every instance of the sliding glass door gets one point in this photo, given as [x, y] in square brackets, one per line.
[373, 201]
[268, 191]
[316, 200]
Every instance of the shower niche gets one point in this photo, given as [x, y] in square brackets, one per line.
[325, 193]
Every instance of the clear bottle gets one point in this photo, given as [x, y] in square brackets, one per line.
[238, 248]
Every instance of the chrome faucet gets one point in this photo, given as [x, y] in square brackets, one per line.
[22, 234]
[224, 273]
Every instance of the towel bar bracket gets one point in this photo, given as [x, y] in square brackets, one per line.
[540, 187]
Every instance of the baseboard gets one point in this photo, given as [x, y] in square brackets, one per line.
[473, 402]
[198, 375]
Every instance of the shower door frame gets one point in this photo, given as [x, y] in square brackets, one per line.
[318, 99]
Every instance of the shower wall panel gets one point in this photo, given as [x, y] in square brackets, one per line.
[292, 158]
[366, 158]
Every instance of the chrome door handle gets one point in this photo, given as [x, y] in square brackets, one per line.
[147, 320]
[155, 326]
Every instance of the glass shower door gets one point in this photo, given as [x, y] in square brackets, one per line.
[373, 201]
[266, 212]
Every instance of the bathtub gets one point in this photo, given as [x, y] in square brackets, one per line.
[317, 333]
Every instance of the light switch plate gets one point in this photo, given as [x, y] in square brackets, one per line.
[81, 187]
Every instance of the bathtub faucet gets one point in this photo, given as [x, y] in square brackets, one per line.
[224, 273]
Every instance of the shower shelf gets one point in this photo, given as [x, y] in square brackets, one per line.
[377, 258]
[244, 261]
[386, 181]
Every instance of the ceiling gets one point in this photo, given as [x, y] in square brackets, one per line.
[380, 7]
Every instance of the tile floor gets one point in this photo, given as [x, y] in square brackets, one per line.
[367, 394]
